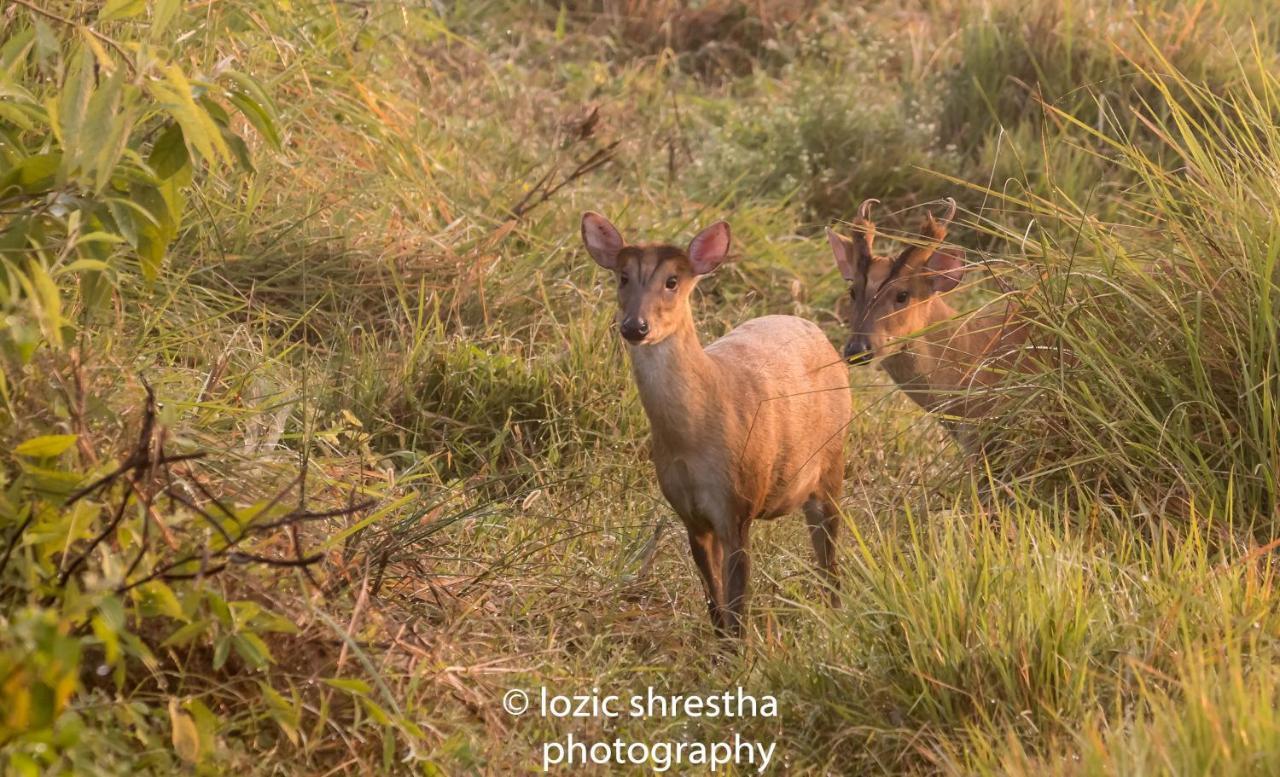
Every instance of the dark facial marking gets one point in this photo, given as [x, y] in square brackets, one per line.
[651, 260]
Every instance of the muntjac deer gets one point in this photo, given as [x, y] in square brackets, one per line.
[947, 363]
[752, 426]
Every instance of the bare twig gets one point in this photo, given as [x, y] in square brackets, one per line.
[13, 538]
[139, 472]
[540, 192]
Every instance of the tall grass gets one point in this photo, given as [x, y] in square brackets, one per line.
[1166, 314]
[364, 320]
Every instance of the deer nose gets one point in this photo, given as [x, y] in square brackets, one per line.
[857, 351]
[634, 329]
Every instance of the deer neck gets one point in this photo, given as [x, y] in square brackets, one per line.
[940, 364]
[676, 381]
[920, 366]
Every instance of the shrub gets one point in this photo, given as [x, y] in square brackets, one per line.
[826, 141]
[1170, 381]
[98, 145]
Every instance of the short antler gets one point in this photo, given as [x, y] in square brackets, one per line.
[951, 212]
[864, 210]
[864, 236]
[934, 232]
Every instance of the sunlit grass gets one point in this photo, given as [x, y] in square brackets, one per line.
[365, 303]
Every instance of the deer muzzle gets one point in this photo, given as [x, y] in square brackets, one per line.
[634, 329]
[857, 351]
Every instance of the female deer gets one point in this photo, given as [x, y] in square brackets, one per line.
[750, 427]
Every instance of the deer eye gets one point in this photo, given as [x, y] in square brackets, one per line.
[672, 282]
[902, 297]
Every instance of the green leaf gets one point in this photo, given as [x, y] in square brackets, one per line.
[18, 115]
[169, 155]
[185, 634]
[105, 62]
[154, 234]
[376, 712]
[216, 112]
[561, 20]
[97, 237]
[257, 115]
[48, 302]
[138, 649]
[206, 722]
[101, 109]
[282, 711]
[46, 43]
[252, 649]
[112, 610]
[186, 737]
[220, 652]
[77, 88]
[198, 128]
[110, 122]
[35, 174]
[82, 515]
[51, 480]
[162, 13]
[23, 765]
[14, 51]
[89, 265]
[108, 636]
[239, 149]
[158, 598]
[122, 214]
[45, 446]
[220, 609]
[349, 685]
[121, 9]
[151, 252]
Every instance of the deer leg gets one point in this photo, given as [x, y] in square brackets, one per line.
[706, 556]
[823, 517]
[737, 573]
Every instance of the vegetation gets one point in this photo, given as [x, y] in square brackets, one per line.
[317, 439]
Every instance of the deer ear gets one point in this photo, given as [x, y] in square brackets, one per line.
[602, 240]
[946, 268]
[842, 247]
[709, 248]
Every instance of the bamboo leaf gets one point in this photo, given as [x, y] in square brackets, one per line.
[162, 14]
[48, 303]
[99, 51]
[350, 685]
[72, 106]
[89, 265]
[186, 737]
[121, 9]
[45, 446]
[184, 634]
[198, 127]
[169, 155]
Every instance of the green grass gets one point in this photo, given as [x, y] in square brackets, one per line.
[361, 322]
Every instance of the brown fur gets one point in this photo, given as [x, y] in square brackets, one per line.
[750, 427]
[947, 363]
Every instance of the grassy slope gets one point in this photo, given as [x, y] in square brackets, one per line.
[366, 300]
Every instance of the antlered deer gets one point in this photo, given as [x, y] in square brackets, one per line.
[751, 427]
[947, 363]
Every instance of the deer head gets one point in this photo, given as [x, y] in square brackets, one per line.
[890, 297]
[654, 281]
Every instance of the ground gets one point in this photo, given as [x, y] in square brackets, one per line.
[395, 467]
